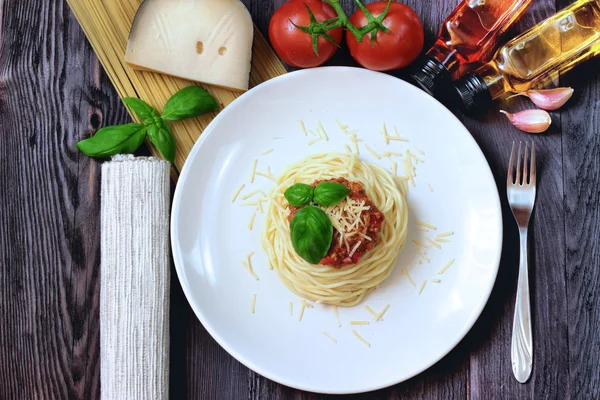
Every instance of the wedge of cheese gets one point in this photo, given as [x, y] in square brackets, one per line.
[208, 41]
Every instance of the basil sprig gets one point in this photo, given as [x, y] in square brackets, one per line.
[299, 194]
[330, 193]
[311, 233]
[189, 102]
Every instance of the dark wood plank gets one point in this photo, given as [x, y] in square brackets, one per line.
[52, 90]
[581, 157]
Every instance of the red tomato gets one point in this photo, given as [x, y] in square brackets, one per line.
[295, 46]
[393, 50]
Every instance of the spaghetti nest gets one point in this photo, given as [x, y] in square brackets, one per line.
[345, 286]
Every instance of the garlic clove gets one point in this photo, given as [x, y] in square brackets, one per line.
[531, 121]
[548, 99]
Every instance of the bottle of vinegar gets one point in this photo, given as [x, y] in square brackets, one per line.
[531, 59]
[469, 35]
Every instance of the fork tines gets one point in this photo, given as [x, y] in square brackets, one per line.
[528, 173]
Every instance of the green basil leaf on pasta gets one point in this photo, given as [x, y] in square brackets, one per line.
[299, 194]
[311, 233]
[111, 140]
[143, 110]
[330, 193]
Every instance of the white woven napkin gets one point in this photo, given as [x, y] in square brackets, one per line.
[134, 279]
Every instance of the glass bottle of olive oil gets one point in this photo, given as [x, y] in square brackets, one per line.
[553, 46]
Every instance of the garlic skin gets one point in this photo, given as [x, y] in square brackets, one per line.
[531, 121]
[548, 99]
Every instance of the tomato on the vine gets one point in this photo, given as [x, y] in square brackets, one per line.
[295, 45]
[395, 49]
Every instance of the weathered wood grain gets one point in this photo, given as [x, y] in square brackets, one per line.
[52, 90]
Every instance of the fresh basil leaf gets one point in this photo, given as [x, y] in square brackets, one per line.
[311, 233]
[111, 140]
[189, 102]
[330, 193]
[299, 194]
[160, 135]
[143, 110]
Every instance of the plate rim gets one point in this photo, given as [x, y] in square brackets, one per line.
[178, 262]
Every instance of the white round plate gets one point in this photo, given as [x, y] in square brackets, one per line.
[454, 190]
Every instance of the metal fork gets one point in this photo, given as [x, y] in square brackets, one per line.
[520, 189]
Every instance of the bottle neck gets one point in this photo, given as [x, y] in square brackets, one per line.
[447, 56]
[494, 79]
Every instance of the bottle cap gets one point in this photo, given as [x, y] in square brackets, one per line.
[430, 75]
[473, 93]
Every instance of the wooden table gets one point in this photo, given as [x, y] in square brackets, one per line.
[52, 89]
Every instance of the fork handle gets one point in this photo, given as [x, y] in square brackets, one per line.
[522, 342]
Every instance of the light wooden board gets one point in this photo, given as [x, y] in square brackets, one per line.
[106, 24]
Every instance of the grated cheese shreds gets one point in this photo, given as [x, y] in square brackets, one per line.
[247, 196]
[348, 150]
[422, 286]
[315, 141]
[302, 127]
[435, 280]
[277, 137]
[237, 192]
[266, 175]
[424, 257]
[253, 171]
[430, 187]
[390, 154]
[380, 315]
[421, 152]
[302, 306]
[337, 315]
[251, 223]
[359, 322]
[397, 138]
[346, 218]
[291, 308]
[434, 244]
[419, 244]
[370, 150]
[426, 225]
[253, 303]
[442, 240]
[312, 132]
[445, 268]
[267, 151]
[405, 272]
[355, 248]
[449, 233]
[249, 269]
[343, 127]
[394, 168]
[259, 206]
[373, 313]
[323, 133]
[329, 337]
[414, 157]
[361, 338]
[307, 304]
[250, 204]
